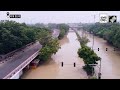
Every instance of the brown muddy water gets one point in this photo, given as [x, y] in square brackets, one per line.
[52, 69]
[110, 63]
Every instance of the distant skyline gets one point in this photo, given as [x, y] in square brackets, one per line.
[32, 17]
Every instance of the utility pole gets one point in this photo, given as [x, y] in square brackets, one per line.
[93, 34]
[99, 74]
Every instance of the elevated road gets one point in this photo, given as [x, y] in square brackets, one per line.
[14, 66]
[8, 69]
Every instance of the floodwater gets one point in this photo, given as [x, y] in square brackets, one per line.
[52, 69]
[110, 63]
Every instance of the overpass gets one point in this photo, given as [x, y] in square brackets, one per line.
[72, 28]
[13, 68]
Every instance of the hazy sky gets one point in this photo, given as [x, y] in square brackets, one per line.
[58, 16]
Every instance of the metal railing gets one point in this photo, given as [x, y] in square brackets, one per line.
[21, 66]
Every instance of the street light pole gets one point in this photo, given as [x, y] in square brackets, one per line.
[99, 74]
[93, 41]
[93, 34]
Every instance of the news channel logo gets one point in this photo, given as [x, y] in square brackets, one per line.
[105, 18]
[13, 15]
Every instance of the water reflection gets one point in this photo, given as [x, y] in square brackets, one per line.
[48, 70]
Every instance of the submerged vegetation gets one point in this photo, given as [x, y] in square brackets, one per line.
[88, 55]
[51, 45]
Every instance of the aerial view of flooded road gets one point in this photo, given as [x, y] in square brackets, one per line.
[55, 45]
[110, 62]
[52, 69]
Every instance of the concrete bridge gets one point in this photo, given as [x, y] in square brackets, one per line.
[72, 28]
[13, 67]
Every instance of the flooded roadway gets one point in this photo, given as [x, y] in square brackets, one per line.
[52, 69]
[110, 63]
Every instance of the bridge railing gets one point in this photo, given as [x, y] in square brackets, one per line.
[21, 66]
[10, 54]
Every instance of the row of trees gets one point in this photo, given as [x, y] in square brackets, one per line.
[14, 35]
[63, 30]
[108, 31]
[51, 45]
[62, 27]
[88, 55]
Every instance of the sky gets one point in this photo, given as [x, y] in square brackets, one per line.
[32, 17]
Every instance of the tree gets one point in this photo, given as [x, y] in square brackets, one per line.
[62, 33]
[45, 53]
[108, 31]
[63, 30]
[50, 48]
[14, 35]
[83, 40]
[89, 57]
[44, 36]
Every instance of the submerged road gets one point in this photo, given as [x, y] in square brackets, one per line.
[52, 69]
[110, 63]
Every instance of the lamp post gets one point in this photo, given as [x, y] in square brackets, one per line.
[99, 74]
[93, 34]
[93, 41]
